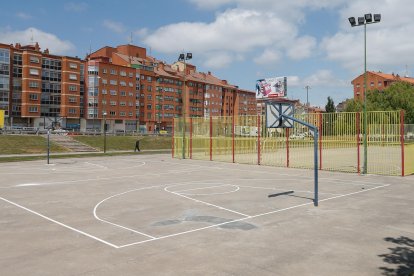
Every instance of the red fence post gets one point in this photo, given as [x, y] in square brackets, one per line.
[358, 134]
[320, 139]
[402, 141]
[191, 138]
[211, 138]
[258, 139]
[232, 127]
[172, 140]
[287, 147]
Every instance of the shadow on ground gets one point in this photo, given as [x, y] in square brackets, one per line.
[400, 258]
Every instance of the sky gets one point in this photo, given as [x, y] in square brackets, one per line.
[309, 41]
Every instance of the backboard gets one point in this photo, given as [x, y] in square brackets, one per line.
[274, 112]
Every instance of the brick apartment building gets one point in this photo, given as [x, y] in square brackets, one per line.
[376, 80]
[132, 90]
[38, 88]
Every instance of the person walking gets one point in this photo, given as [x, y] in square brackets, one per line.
[137, 146]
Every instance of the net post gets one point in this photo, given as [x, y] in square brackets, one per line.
[173, 139]
[287, 147]
[402, 141]
[316, 193]
[233, 130]
[258, 139]
[211, 138]
[191, 137]
[358, 131]
[320, 139]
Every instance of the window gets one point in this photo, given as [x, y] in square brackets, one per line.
[149, 78]
[122, 114]
[113, 103]
[104, 71]
[372, 83]
[33, 97]
[379, 83]
[73, 66]
[122, 103]
[72, 99]
[113, 72]
[33, 109]
[33, 84]
[72, 110]
[123, 93]
[73, 77]
[113, 82]
[112, 92]
[122, 83]
[34, 72]
[112, 113]
[122, 73]
[73, 88]
[131, 75]
[130, 84]
[34, 59]
[104, 92]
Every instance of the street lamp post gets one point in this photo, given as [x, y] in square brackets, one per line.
[104, 129]
[307, 87]
[363, 21]
[183, 57]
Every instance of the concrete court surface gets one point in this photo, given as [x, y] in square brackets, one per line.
[154, 215]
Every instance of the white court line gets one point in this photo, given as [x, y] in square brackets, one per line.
[99, 166]
[202, 188]
[203, 202]
[279, 189]
[117, 225]
[141, 175]
[249, 217]
[61, 224]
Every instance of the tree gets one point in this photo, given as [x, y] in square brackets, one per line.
[330, 106]
[398, 96]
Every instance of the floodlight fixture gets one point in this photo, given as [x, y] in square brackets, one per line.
[352, 21]
[377, 17]
[368, 17]
[189, 56]
[181, 57]
[361, 20]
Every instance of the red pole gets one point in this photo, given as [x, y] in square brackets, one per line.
[320, 140]
[211, 138]
[258, 139]
[191, 138]
[287, 147]
[172, 138]
[402, 141]
[358, 131]
[232, 127]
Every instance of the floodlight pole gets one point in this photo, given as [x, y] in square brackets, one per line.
[367, 19]
[183, 57]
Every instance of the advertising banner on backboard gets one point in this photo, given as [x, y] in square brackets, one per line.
[271, 88]
[1, 118]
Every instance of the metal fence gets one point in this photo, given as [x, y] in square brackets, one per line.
[245, 139]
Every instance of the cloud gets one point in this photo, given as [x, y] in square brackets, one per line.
[389, 45]
[75, 7]
[218, 60]
[116, 27]
[141, 32]
[302, 48]
[45, 40]
[268, 57]
[24, 16]
[324, 78]
[236, 31]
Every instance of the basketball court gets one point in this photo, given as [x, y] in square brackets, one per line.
[151, 214]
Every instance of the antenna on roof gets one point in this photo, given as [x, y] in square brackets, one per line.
[31, 37]
[90, 47]
[406, 71]
[130, 39]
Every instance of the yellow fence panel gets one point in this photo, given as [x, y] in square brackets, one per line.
[245, 139]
